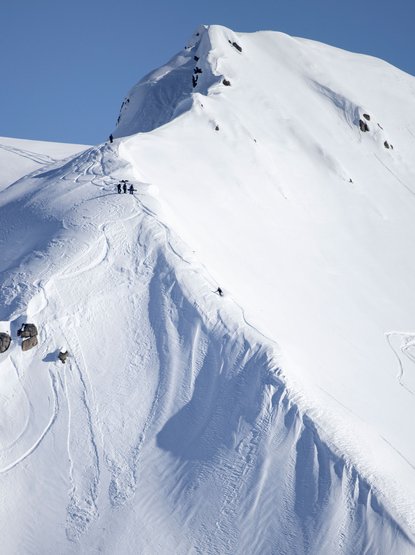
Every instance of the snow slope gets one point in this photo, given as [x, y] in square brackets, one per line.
[179, 424]
[18, 157]
[319, 263]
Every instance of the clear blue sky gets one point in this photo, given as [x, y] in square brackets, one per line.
[67, 65]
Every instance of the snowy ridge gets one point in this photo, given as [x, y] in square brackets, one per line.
[175, 425]
[166, 93]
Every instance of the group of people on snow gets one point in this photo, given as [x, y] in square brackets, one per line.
[124, 188]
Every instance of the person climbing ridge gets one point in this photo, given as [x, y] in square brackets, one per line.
[111, 138]
[119, 188]
[124, 187]
[219, 292]
[131, 189]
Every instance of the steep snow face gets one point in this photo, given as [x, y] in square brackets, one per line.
[294, 183]
[170, 428]
[176, 425]
[18, 157]
[165, 93]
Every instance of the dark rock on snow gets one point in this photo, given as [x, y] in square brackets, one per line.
[5, 341]
[363, 126]
[28, 344]
[236, 45]
[63, 356]
[27, 330]
[366, 116]
[226, 83]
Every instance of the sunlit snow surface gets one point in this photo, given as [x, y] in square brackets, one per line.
[20, 156]
[276, 419]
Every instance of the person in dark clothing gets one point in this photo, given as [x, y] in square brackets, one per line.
[111, 138]
[219, 292]
[124, 187]
[119, 188]
[131, 189]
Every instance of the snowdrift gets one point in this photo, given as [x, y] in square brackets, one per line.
[275, 419]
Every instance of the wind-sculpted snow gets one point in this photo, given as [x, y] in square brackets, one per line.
[182, 421]
[295, 187]
[171, 413]
[166, 93]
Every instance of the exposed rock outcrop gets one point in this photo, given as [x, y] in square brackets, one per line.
[27, 330]
[363, 126]
[236, 45]
[29, 343]
[63, 355]
[5, 341]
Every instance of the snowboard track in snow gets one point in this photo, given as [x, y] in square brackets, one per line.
[407, 343]
[49, 425]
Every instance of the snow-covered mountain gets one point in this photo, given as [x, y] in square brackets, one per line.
[18, 157]
[274, 419]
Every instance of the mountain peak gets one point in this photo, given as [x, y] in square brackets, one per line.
[167, 92]
[225, 346]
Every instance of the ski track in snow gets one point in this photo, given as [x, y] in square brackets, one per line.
[35, 157]
[45, 431]
[84, 461]
[412, 192]
[82, 453]
[5, 400]
[407, 342]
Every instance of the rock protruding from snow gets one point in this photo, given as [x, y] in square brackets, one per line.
[363, 126]
[5, 341]
[29, 343]
[27, 330]
[63, 355]
[235, 45]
